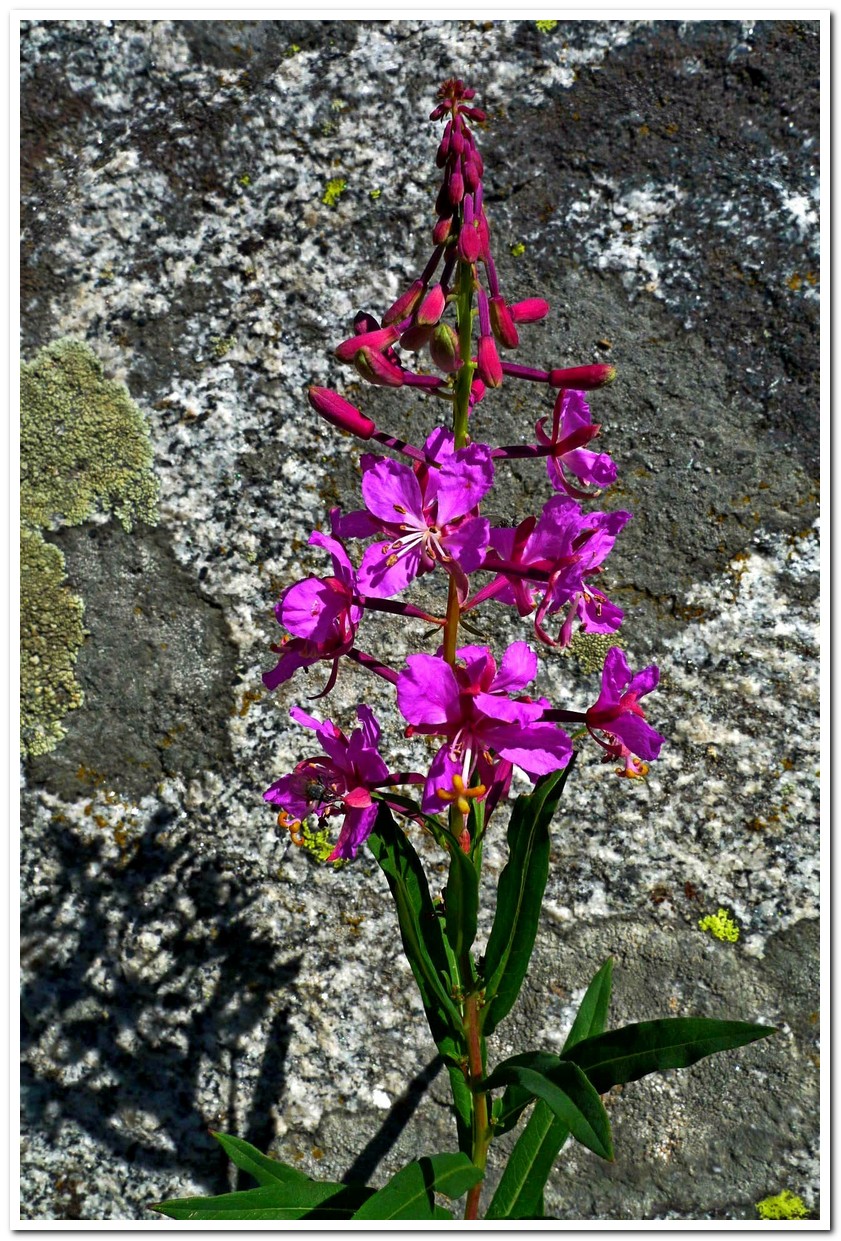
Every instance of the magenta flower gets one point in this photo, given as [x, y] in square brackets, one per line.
[320, 614]
[572, 428]
[427, 512]
[473, 707]
[618, 715]
[337, 782]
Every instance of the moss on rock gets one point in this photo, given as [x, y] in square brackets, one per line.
[51, 633]
[84, 446]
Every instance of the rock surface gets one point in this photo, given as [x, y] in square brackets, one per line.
[185, 967]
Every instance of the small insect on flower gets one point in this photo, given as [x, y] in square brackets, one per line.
[318, 793]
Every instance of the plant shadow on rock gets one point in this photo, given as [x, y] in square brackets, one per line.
[135, 1023]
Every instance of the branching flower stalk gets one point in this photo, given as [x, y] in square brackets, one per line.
[422, 513]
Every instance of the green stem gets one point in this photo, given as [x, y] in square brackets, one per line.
[461, 409]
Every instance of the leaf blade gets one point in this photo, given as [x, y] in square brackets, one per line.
[248, 1159]
[409, 1193]
[519, 1193]
[289, 1200]
[520, 896]
[569, 1094]
[592, 1011]
[633, 1051]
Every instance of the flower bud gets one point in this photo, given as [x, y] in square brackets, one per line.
[503, 323]
[416, 336]
[340, 413]
[431, 308]
[457, 142]
[441, 231]
[439, 111]
[583, 378]
[363, 322]
[468, 244]
[444, 350]
[378, 340]
[475, 114]
[484, 233]
[444, 146]
[376, 369]
[472, 177]
[456, 186]
[442, 202]
[529, 311]
[490, 367]
[405, 304]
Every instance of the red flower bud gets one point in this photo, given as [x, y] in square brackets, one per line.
[457, 143]
[490, 367]
[431, 308]
[444, 147]
[456, 185]
[529, 311]
[472, 176]
[439, 111]
[441, 231]
[416, 336]
[340, 413]
[468, 244]
[444, 350]
[583, 378]
[376, 369]
[484, 233]
[377, 340]
[503, 323]
[405, 304]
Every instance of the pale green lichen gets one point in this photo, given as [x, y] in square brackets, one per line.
[546, 27]
[784, 1205]
[84, 448]
[84, 445]
[721, 925]
[51, 633]
[333, 191]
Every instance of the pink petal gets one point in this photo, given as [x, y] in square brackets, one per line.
[468, 542]
[379, 578]
[440, 776]
[518, 668]
[427, 692]
[392, 493]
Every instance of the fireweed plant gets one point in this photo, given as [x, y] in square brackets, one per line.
[422, 514]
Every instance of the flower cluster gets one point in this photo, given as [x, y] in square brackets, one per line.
[422, 511]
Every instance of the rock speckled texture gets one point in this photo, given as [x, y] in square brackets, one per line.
[185, 967]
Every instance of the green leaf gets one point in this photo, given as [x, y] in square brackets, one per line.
[463, 1105]
[420, 929]
[264, 1170]
[283, 1200]
[409, 1193]
[592, 1012]
[461, 903]
[519, 1194]
[516, 1098]
[565, 1088]
[652, 1046]
[519, 897]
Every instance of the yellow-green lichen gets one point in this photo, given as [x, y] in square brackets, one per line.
[721, 925]
[84, 448]
[51, 633]
[784, 1205]
[318, 842]
[590, 649]
[546, 27]
[333, 191]
[84, 445]
[518, 250]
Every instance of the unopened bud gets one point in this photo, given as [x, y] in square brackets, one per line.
[457, 143]
[432, 307]
[583, 378]
[503, 323]
[484, 232]
[475, 114]
[530, 311]
[468, 244]
[363, 322]
[456, 186]
[490, 367]
[340, 413]
[405, 304]
[377, 340]
[444, 350]
[444, 146]
[441, 231]
[416, 336]
[376, 369]
[472, 176]
[439, 111]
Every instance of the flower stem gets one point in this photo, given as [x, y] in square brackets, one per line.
[481, 1126]
[461, 409]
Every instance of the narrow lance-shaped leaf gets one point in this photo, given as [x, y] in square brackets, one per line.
[461, 904]
[248, 1159]
[519, 1194]
[303, 1199]
[567, 1092]
[592, 1011]
[519, 896]
[420, 928]
[409, 1193]
[652, 1046]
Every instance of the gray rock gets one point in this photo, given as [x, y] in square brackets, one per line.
[185, 968]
